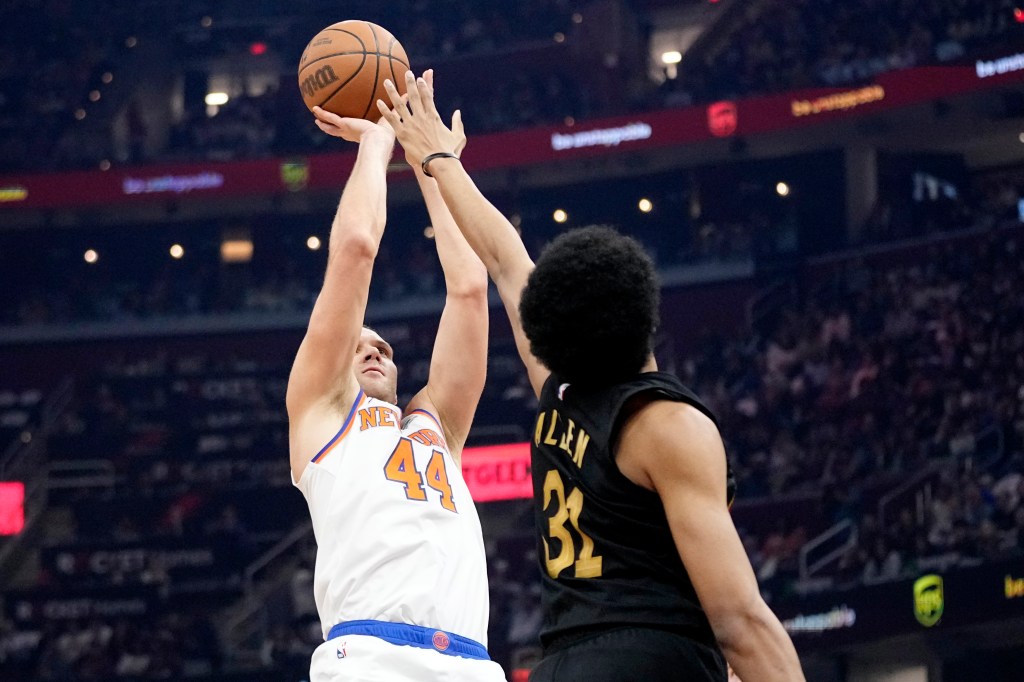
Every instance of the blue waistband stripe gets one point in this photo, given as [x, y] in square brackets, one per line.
[447, 643]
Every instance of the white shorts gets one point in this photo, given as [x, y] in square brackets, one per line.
[362, 658]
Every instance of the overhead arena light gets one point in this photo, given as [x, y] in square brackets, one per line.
[217, 99]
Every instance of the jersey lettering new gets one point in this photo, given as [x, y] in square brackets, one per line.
[398, 537]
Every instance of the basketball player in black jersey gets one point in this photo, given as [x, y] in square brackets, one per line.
[644, 575]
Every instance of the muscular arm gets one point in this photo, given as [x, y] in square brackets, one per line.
[489, 233]
[675, 450]
[321, 374]
[496, 242]
[458, 366]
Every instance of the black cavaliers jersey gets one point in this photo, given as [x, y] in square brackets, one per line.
[609, 556]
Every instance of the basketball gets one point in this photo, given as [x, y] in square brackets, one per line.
[343, 69]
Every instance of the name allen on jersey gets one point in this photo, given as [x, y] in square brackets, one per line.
[563, 433]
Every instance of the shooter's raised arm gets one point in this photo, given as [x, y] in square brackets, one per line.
[321, 378]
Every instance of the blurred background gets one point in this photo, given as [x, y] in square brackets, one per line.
[833, 193]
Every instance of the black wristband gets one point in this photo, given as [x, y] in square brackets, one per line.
[436, 155]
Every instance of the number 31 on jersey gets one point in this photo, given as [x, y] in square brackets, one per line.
[567, 509]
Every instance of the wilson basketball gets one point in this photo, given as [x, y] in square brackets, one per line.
[343, 69]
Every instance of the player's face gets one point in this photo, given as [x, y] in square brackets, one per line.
[374, 367]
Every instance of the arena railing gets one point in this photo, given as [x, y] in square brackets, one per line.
[25, 462]
[835, 541]
[917, 492]
[246, 621]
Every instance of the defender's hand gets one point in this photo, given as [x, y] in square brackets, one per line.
[416, 122]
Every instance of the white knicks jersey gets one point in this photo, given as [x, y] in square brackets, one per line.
[398, 537]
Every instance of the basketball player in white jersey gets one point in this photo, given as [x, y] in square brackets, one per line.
[400, 580]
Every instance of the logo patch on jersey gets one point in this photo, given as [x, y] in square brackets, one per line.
[440, 641]
[561, 390]
[428, 437]
[341, 650]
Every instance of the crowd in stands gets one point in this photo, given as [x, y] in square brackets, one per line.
[881, 373]
[135, 278]
[456, 27]
[776, 46]
[285, 282]
[172, 646]
[782, 45]
[56, 63]
[19, 411]
[275, 120]
[53, 55]
[141, 551]
[879, 369]
[196, 487]
[875, 371]
[508, 65]
[974, 517]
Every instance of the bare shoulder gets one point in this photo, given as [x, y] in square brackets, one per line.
[315, 427]
[666, 439]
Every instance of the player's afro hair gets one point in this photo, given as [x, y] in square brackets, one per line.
[590, 307]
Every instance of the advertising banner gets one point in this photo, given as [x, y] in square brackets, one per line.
[743, 117]
[124, 563]
[498, 472]
[925, 603]
[12, 507]
[40, 606]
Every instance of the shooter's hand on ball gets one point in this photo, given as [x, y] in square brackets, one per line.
[416, 122]
[351, 129]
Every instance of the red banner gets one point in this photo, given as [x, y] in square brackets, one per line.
[753, 116]
[12, 508]
[498, 472]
